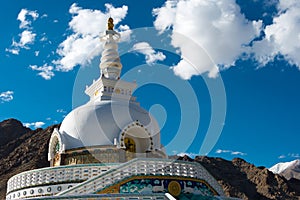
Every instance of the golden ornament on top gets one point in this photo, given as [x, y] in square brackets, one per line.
[110, 24]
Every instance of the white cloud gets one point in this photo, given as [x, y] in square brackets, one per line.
[36, 53]
[217, 28]
[44, 38]
[14, 51]
[281, 156]
[83, 44]
[27, 36]
[34, 124]
[77, 50]
[294, 155]
[150, 54]
[219, 151]
[166, 15]
[23, 17]
[6, 96]
[45, 71]
[238, 153]
[282, 37]
[125, 33]
[61, 111]
[290, 155]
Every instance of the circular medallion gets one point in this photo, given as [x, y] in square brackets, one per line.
[174, 188]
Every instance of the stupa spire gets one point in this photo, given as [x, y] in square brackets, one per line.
[110, 64]
[109, 83]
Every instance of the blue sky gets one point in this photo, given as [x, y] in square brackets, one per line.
[235, 59]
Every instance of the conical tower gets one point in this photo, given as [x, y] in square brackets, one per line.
[109, 83]
[110, 64]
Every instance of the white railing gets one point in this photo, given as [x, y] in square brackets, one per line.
[142, 166]
[60, 174]
[160, 196]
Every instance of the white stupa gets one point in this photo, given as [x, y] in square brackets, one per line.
[109, 148]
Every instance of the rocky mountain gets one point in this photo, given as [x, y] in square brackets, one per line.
[11, 129]
[244, 180]
[287, 169]
[238, 178]
[24, 150]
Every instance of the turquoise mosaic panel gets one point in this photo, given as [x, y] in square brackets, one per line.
[179, 188]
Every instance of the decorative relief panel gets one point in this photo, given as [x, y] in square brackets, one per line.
[176, 186]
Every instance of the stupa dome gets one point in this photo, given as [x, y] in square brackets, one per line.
[104, 122]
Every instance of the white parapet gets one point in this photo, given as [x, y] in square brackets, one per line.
[40, 181]
[145, 166]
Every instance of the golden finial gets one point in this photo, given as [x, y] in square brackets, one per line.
[110, 24]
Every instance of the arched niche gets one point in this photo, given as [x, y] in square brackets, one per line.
[135, 138]
[55, 149]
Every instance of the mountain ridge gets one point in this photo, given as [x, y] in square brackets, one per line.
[287, 169]
[25, 152]
[7, 134]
